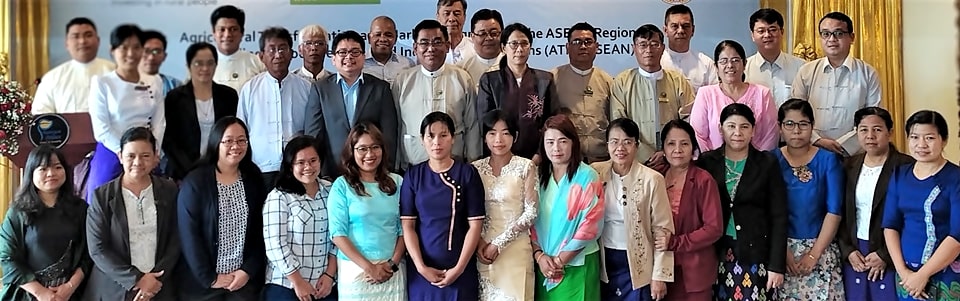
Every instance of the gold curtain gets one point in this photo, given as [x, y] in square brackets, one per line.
[877, 28]
[24, 30]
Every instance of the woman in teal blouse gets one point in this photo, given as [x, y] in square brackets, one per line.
[364, 210]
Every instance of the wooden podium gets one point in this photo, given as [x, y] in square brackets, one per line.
[79, 142]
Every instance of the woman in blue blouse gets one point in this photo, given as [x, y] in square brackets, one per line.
[442, 212]
[121, 100]
[814, 179]
[921, 219]
[365, 220]
[301, 261]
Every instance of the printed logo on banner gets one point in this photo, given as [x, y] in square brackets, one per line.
[323, 2]
[676, 1]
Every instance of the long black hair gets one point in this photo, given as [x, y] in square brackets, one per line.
[286, 181]
[27, 199]
[212, 156]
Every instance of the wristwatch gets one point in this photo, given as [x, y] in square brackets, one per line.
[393, 266]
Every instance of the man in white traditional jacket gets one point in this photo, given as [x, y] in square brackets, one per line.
[651, 95]
[697, 67]
[313, 48]
[584, 91]
[235, 66]
[452, 14]
[436, 86]
[486, 26]
[272, 104]
[65, 88]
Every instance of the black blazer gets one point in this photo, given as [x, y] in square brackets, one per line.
[199, 227]
[847, 234]
[182, 146]
[113, 277]
[760, 208]
[326, 117]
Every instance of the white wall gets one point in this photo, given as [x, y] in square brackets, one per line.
[930, 63]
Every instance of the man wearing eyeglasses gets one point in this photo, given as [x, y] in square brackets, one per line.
[837, 86]
[436, 86]
[382, 61]
[154, 53]
[272, 103]
[770, 67]
[339, 102]
[313, 48]
[650, 95]
[234, 66]
[486, 25]
[697, 67]
[584, 90]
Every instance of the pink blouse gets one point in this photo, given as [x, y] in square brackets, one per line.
[710, 101]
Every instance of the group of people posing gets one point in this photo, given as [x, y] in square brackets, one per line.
[469, 175]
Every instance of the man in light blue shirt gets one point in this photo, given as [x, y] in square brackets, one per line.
[383, 61]
[272, 103]
[154, 53]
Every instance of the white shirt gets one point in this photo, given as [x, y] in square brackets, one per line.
[303, 72]
[419, 92]
[206, 117]
[778, 75]
[236, 69]
[477, 66]
[66, 88]
[117, 105]
[614, 231]
[836, 93]
[463, 51]
[866, 186]
[142, 227]
[297, 235]
[274, 113]
[389, 71]
[698, 68]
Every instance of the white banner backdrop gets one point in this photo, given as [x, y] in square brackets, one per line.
[187, 21]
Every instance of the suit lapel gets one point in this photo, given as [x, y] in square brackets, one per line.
[749, 169]
[879, 193]
[163, 215]
[190, 110]
[120, 213]
[363, 96]
[335, 107]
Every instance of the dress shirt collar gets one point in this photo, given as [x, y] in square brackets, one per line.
[651, 75]
[490, 61]
[77, 63]
[224, 56]
[305, 72]
[847, 62]
[581, 72]
[433, 74]
[393, 58]
[680, 55]
[775, 65]
[341, 80]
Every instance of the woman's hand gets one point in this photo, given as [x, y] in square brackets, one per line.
[876, 266]
[658, 289]
[491, 252]
[65, 291]
[793, 268]
[774, 280]
[430, 274]
[324, 286]
[857, 261]
[46, 294]
[915, 284]
[222, 281]
[807, 263]
[240, 279]
[449, 277]
[661, 239]
[304, 290]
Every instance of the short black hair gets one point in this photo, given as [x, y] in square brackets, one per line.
[507, 31]
[196, 47]
[138, 134]
[442, 3]
[678, 9]
[80, 21]
[839, 17]
[683, 126]
[647, 31]
[229, 12]
[485, 14]
[348, 35]
[736, 47]
[928, 117]
[582, 26]
[873, 111]
[738, 109]
[153, 34]
[767, 15]
[212, 156]
[429, 24]
[796, 104]
[491, 118]
[435, 117]
[286, 181]
[275, 33]
[124, 32]
[627, 125]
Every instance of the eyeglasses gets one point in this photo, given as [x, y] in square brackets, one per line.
[839, 34]
[624, 142]
[792, 125]
[732, 61]
[209, 63]
[351, 52]
[518, 44]
[279, 50]
[770, 30]
[583, 42]
[318, 44]
[493, 34]
[231, 142]
[364, 149]
[153, 51]
[650, 45]
[434, 43]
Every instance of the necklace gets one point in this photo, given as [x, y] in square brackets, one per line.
[205, 108]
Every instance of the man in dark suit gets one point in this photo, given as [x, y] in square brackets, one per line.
[340, 101]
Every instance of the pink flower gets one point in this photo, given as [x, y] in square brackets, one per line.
[3, 134]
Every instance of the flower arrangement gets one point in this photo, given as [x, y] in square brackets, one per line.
[14, 115]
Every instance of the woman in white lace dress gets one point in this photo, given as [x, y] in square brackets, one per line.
[510, 183]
